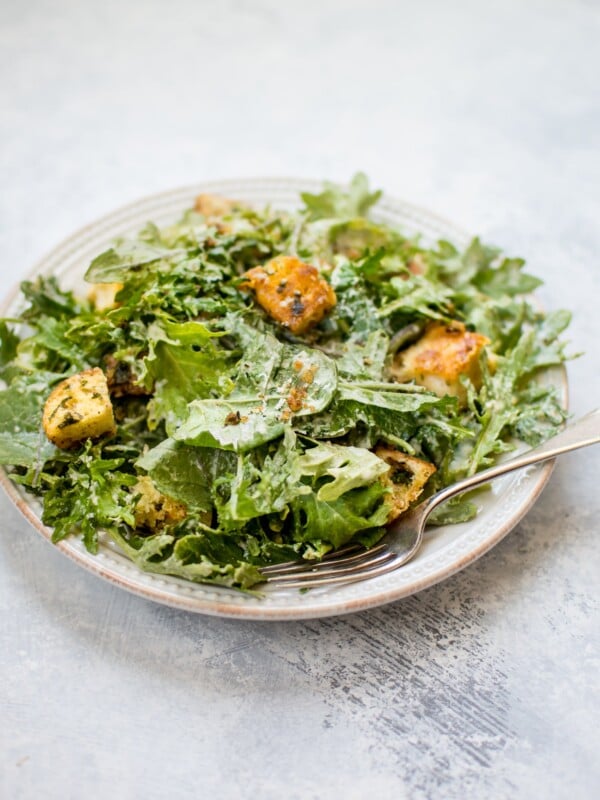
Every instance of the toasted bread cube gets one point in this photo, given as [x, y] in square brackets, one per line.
[79, 408]
[154, 509]
[440, 357]
[214, 205]
[292, 292]
[406, 478]
[102, 295]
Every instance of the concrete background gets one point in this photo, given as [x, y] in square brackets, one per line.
[483, 687]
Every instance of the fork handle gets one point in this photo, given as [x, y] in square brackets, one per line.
[581, 433]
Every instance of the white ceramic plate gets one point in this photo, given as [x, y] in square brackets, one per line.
[446, 550]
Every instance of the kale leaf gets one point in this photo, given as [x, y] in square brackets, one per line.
[335, 202]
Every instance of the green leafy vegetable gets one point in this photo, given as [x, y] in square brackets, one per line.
[187, 473]
[273, 383]
[337, 521]
[343, 467]
[183, 364]
[125, 257]
[334, 202]
[92, 494]
[22, 441]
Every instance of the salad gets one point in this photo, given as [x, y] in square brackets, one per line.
[251, 386]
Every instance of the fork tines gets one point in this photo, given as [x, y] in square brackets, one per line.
[341, 567]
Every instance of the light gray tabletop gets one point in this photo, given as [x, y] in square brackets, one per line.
[485, 686]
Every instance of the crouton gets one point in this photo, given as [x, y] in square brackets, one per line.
[102, 295]
[292, 292]
[154, 509]
[122, 379]
[417, 265]
[79, 408]
[440, 358]
[214, 205]
[406, 478]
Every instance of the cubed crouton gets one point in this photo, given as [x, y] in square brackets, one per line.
[79, 408]
[439, 359]
[214, 205]
[154, 509]
[406, 478]
[103, 295]
[292, 292]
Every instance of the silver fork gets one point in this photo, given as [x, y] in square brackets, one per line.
[404, 537]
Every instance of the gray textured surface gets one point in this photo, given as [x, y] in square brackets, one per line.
[485, 686]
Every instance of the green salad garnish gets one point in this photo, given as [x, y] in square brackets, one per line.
[249, 386]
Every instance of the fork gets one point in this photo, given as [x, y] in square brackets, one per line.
[405, 536]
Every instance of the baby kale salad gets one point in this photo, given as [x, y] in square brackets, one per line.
[250, 386]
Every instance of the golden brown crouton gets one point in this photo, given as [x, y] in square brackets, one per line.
[292, 292]
[154, 509]
[417, 265]
[440, 357]
[214, 205]
[406, 478]
[79, 408]
[102, 295]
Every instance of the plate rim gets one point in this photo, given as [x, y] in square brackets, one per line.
[222, 608]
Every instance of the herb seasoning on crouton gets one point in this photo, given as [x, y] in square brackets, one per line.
[292, 292]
